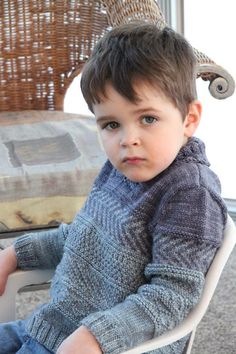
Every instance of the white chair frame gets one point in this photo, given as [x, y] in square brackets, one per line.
[20, 278]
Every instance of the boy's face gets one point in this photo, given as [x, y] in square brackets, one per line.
[140, 139]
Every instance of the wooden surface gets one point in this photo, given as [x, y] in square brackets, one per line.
[49, 161]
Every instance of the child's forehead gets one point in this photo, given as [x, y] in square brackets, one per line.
[141, 87]
[147, 97]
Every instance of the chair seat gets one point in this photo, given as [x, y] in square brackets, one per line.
[43, 157]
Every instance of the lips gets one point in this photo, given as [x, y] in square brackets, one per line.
[133, 160]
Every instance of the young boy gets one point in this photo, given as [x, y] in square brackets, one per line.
[132, 263]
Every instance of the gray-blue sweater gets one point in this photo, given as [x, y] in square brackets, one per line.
[132, 263]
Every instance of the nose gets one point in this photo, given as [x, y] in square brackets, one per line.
[129, 137]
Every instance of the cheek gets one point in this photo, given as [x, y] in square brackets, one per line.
[104, 139]
[166, 148]
[109, 144]
[173, 146]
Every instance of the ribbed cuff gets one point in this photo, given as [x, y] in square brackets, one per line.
[24, 249]
[106, 333]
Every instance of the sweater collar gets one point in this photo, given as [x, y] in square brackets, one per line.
[193, 151]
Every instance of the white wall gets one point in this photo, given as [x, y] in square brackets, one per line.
[210, 27]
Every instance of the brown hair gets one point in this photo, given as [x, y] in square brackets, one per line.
[140, 50]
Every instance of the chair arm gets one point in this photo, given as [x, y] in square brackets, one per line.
[221, 84]
[171, 336]
[16, 281]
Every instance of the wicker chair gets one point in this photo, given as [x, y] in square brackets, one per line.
[44, 44]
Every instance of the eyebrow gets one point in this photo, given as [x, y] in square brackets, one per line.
[145, 109]
[104, 118]
[136, 111]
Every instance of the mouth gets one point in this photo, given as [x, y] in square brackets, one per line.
[133, 160]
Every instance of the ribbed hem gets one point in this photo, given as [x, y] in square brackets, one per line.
[45, 333]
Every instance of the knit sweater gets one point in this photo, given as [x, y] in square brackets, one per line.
[132, 263]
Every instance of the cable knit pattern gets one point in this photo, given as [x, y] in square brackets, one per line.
[132, 263]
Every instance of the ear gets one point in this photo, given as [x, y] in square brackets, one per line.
[193, 118]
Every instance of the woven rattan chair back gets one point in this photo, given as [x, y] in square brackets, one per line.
[41, 44]
[44, 44]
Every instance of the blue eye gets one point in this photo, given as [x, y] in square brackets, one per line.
[111, 126]
[148, 120]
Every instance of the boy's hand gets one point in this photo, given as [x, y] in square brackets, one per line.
[80, 342]
[8, 264]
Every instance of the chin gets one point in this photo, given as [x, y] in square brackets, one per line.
[139, 179]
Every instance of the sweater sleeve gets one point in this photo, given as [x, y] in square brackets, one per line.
[181, 256]
[42, 249]
[156, 307]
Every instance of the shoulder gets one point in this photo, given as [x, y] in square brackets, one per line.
[184, 175]
[193, 208]
[191, 204]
